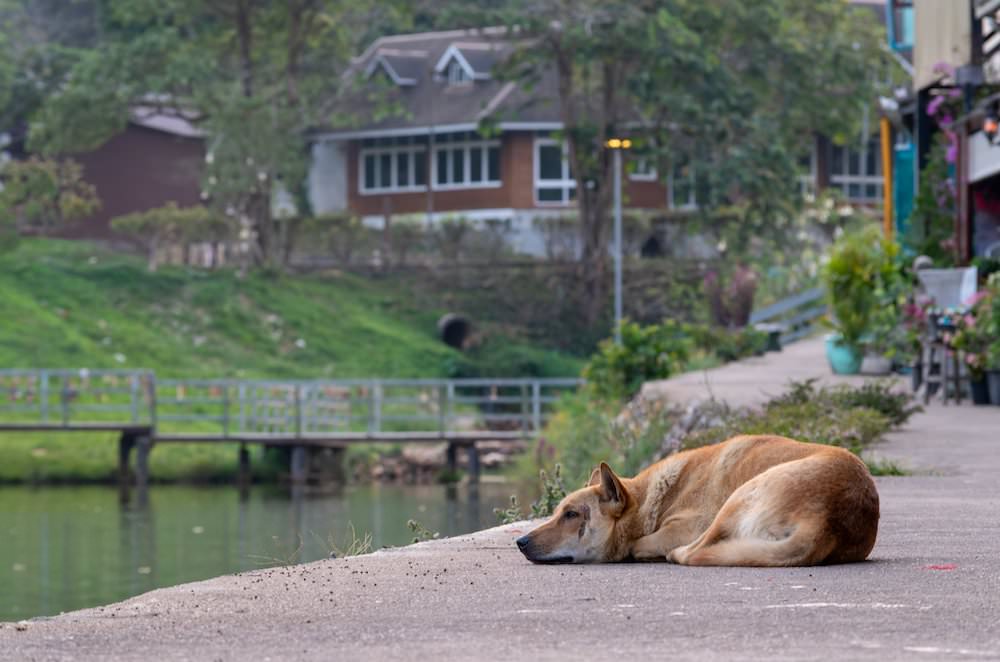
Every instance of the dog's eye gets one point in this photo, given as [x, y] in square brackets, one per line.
[570, 514]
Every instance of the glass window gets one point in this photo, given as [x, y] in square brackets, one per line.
[420, 168]
[553, 180]
[550, 195]
[442, 167]
[467, 161]
[837, 159]
[455, 73]
[550, 162]
[493, 165]
[397, 167]
[856, 170]
[369, 171]
[385, 171]
[403, 169]
[476, 164]
[457, 165]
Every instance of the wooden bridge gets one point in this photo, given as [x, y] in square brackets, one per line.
[301, 415]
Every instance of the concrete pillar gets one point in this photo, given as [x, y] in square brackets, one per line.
[144, 445]
[452, 456]
[474, 466]
[299, 468]
[244, 477]
[126, 442]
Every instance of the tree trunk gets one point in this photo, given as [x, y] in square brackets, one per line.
[593, 184]
[244, 31]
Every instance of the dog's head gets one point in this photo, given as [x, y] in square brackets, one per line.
[583, 527]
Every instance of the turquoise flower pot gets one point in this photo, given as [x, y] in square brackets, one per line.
[843, 360]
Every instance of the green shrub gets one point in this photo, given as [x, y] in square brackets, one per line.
[587, 430]
[853, 428]
[885, 468]
[553, 492]
[897, 406]
[846, 416]
[860, 275]
[617, 371]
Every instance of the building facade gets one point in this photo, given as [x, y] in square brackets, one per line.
[431, 162]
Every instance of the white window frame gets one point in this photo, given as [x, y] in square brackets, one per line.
[455, 73]
[691, 203]
[650, 175]
[566, 184]
[378, 151]
[453, 53]
[843, 180]
[466, 146]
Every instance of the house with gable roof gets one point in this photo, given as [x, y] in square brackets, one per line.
[429, 161]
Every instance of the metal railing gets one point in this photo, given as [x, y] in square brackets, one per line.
[795, 315]
[65, 397]
[180, 409]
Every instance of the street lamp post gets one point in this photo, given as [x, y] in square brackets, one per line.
[617, 145]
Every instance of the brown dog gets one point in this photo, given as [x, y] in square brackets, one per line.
[750, 501]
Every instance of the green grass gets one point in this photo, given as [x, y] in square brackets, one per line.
[73, 305]
[883, 467]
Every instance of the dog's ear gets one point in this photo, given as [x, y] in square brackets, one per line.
[595, 477]
[613, 492]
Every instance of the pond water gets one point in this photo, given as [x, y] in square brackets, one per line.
[65, 548]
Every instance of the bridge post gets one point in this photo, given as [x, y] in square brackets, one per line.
[474, 465]
[452, 457]
[64, 395]
[299, 465]
[133, 396]
[126, 442]
[536, 405]
[143, 447]
[244, 478]
[43, 395]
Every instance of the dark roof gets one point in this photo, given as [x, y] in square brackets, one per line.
[428, 100]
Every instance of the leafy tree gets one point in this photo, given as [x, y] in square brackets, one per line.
[254, 75]
[38, 195]
[39, 41]
[737, 89]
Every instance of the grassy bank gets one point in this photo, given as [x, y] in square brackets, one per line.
[73, 305]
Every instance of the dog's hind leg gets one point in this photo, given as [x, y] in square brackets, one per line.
[801, 548]
[763, 523]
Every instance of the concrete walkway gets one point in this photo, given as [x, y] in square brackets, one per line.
[930, 591]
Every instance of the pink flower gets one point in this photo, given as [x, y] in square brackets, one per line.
[975, 298]
[970, 321]
[935, 105]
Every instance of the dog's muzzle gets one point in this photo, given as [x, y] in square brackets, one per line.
[527, 547]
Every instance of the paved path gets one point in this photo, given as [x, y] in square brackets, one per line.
[931, 590]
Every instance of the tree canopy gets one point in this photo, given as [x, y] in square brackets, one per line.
[723, 93]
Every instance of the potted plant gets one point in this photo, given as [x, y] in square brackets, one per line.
[993, 373]
[970, 339]
[985, 318]
[860, 278]
[913, 324]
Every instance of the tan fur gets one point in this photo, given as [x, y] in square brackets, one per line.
[749, 501]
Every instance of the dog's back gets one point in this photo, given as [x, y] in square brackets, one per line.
[769, 501]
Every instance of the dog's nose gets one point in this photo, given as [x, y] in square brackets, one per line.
[522, 542]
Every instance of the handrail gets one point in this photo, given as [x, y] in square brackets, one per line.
[790, 317]
[243, 408]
